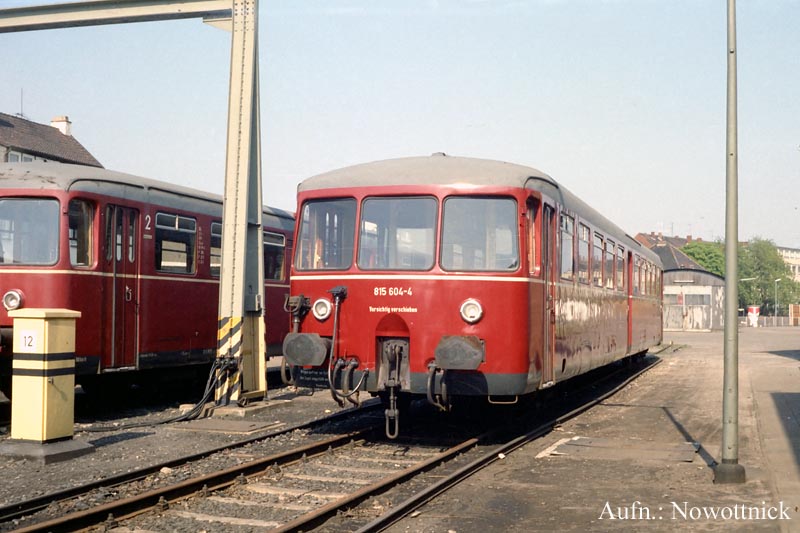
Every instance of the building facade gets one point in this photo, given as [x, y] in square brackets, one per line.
[694, 299]
[791, 256]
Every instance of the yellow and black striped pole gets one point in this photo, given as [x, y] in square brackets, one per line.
[229, 356]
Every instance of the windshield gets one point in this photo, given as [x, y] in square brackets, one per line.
[28, 231]
[327, 232]
[480, 234]
[397, 234]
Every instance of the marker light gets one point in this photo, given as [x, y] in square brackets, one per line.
[12, 300]
[471, 311]
[321, 309]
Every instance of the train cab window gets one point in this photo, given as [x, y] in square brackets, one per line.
[327, 234]
[274, 252]
[620, 268]
[215, 253]
[597, 261]
[530, 220]
[175, 243]
[29, 231]
[608, 261]
[567, 247]
[397, 233]
[583, 253]
[81, 216]
[480, 234]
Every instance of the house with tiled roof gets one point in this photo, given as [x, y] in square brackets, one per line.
[22, 140]
[693, 297]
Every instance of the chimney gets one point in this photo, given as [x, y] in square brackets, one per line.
[62, 124]
[660, 236]
[688, 238]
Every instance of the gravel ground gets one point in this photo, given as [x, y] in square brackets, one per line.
[124, 450]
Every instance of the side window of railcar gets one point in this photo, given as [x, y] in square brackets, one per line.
[597, 261]
[480, 233]
[397, 233]
[81, 216]
[609, 264]
[274, 252]
[215, 252]
[175, 243]
[642, 277]
[327, 234]
[636, 274]
[583, 253]
[567, 247]
[29, 231]
[620, 268]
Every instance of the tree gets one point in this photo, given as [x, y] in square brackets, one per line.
[760, 259]
[760, 265]
[709, 255]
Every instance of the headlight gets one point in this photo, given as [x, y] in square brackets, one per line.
[471, 311]
[12, 300]
[321, 309]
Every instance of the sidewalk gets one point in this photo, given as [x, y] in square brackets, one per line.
[632, 469]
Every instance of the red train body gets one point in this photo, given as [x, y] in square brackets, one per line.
[445, 277]
[140, 259]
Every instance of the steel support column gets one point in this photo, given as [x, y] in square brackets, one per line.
[241, 345]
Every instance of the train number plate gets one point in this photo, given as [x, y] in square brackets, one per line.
[392, 291]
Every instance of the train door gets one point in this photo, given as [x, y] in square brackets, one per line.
[549, 275]
[122, 255]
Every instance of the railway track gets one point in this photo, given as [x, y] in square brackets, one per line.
[24, 510]
[330, 484]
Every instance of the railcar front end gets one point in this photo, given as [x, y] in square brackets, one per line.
[411, 293]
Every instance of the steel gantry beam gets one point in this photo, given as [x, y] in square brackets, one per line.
[241, 345]
[95, 13]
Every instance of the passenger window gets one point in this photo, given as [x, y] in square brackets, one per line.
[109, 241]
[215, 254]
[620, 269]
[118, 224]
[567, 247]
[175, 246]
[131, 236]
[81, 217]
[274, 252]
[583, 253]
[609, 264]
[597, 261]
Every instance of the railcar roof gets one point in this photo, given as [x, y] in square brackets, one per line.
[62, 176]
[437, 169]
[440, 169]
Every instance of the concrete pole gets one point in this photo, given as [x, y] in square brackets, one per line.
[729, 470]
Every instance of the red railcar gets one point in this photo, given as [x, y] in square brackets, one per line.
[447, 276]
[140, 259]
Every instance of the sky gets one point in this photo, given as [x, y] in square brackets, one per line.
[623, 102]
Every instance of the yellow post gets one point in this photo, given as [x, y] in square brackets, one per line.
[43, 374]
